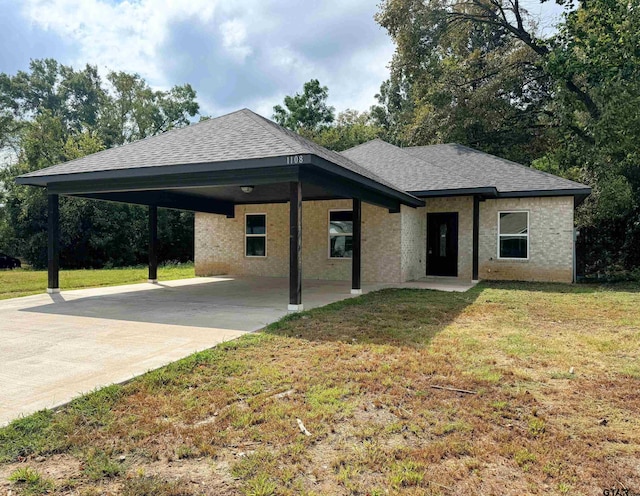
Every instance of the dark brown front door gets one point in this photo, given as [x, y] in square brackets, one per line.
[442, 244]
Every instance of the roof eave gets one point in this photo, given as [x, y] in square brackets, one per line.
[579, 194]
[156, 171]
[487, 192]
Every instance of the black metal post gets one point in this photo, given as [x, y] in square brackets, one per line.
[153, 244]
[295, 247]
[476, 236]
[356, 257]
[53, 252]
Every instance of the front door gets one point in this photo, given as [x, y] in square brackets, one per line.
[442, 244]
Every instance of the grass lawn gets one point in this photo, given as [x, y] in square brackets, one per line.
[19, 282]
[555, 370]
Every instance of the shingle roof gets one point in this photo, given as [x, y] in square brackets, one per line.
[244, 135]
[240, 135]
[488, 170]
[405, 169]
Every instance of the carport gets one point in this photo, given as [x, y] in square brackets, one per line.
[212, 166]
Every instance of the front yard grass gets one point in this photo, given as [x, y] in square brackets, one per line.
[556, 410]
[24, 282]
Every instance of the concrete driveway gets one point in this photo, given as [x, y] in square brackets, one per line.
[55, 347]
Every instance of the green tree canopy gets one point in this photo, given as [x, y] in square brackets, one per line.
[307, 110]
[54, 113]
[350, 128]
[310, 115]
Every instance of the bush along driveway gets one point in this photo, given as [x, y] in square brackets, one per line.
[551, 404]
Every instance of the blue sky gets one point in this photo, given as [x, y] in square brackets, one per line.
[236, 53]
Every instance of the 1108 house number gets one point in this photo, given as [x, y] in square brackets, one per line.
[295, 159]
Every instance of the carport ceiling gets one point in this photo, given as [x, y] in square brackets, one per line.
[261, 193]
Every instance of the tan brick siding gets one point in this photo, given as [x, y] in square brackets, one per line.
[464, 206]
[393, 245]
[219, 243]
[550, 240]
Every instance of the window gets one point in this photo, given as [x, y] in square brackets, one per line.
[255, 235]
[340, 233]
[443, 240]
[513, 235]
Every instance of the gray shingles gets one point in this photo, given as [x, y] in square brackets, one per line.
[245, 135]
[233, 136]
[488, 170]
[241, 135]
[406, 170]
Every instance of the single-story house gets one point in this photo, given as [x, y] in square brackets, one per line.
[271, 203]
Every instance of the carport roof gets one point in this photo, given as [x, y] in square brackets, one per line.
[238, 147]
[240, 135]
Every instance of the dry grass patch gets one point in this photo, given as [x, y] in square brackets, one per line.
[358, 374]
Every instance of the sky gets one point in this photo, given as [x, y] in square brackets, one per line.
[235, 53]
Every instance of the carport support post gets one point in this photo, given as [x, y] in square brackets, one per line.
[295, 247]
[53, 252]
[356, 259]
[153, 244]
[476, 237]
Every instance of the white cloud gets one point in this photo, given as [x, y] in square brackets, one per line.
[247, 53]
[234, 36]
[119, 36]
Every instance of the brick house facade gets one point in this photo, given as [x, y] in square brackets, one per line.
[393, 244]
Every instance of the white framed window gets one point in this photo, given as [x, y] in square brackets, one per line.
[340, 234]
[513, 235]
[255, 235]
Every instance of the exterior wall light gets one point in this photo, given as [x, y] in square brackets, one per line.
[246, 189]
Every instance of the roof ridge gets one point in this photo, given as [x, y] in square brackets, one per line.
[365, 143]
[429, 163]
[269, 126]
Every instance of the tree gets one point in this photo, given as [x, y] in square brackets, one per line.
[55, 113]
[350, 129]
[596, 47]
[135, 111]
[309, 115]
[308, 111]
[454, 78]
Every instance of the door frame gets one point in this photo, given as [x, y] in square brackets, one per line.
[456, 246]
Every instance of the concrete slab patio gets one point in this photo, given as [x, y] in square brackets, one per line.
[55, 347]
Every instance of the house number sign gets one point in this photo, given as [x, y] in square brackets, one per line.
[295, 159]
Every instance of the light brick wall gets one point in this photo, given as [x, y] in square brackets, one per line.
[393, 245]
[550, 240]
[219, 243]
[464, 206]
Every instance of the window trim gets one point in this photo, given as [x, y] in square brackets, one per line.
[246, 235]
[521, 259]
[339, 234]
